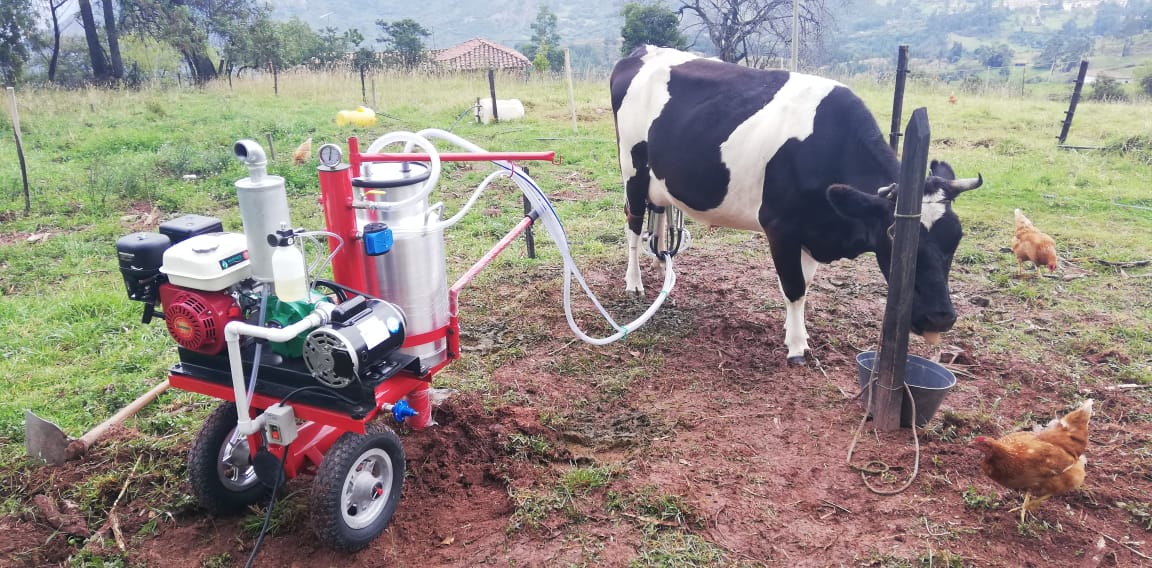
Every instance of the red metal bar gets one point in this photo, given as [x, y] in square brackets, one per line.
[454, 291]
[454, 327]
[303, 411]
[312, 442]
[339, 216]
[459, 157]
[354, 156]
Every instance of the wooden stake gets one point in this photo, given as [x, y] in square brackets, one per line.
[571, 96]
[898, 96]
[14, 112]
[893, 356]
[492, 90]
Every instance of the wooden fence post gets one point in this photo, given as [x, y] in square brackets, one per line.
[893, 357]
[571, 96]
[14, 112]
[1075, 99]
[898, 96]
[492, 90]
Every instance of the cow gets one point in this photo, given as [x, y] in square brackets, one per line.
[798, 157]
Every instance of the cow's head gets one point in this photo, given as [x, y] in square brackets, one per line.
[940, 234]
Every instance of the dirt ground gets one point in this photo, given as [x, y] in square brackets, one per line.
[700, 410]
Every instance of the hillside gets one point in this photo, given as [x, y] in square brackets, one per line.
[508, 22]
[961, 34]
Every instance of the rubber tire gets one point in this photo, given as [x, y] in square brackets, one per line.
[207, 484]
[328, 487]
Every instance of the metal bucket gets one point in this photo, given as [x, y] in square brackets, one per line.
[928, 381]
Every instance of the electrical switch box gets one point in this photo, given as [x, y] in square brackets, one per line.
[279, 425]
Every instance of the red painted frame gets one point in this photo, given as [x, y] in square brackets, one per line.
[321, 427]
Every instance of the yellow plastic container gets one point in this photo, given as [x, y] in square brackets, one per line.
[362, 116]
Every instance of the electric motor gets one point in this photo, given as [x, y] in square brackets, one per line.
[363, 333]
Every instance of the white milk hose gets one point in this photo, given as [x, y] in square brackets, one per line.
[548, 217]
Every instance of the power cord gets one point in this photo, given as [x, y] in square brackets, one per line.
[268, 513]
[280, 470]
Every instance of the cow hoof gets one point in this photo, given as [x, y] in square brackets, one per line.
[797, 361]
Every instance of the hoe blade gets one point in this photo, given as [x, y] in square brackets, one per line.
[43, 439]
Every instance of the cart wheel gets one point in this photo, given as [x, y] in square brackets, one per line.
[357, 488]
[219, 467]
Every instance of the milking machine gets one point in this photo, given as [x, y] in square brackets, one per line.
[307, 367]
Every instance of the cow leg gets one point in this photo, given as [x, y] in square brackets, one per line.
[795, 269]
[636, 178]
[632, 279]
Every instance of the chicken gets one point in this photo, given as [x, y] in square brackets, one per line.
[303, 152]
[1032, 245]
[952, 99]
[1047, 461]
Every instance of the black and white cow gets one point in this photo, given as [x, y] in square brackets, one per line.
[796, 156]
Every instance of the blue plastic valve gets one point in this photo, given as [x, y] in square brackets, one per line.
[377, 239]
[401, 411]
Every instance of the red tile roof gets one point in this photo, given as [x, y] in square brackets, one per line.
[480, 53]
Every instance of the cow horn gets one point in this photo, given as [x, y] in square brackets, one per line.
[965, 184]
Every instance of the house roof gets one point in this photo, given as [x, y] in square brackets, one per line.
[478, 53]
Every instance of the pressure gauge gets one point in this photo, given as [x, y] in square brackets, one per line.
[330, 155]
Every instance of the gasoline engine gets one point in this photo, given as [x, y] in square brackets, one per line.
[244, 309]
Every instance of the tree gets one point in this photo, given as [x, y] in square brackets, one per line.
[655, 25]
[1137, 17]
[332, 46]
[1065, 48]
[996, 57]
[101, 70]
[364, 60]
[16, 24]
[113, 41]
[545, 39]
[259, 47]
[739, 29]
[540, 62]
[1108, 19]
[403, 39]
[53, 7]
[195, 28]
[955, 52]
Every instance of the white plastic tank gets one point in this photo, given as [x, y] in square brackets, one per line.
[414, 274]
[507, 109]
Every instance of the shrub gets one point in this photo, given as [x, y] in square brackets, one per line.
[1108, 90]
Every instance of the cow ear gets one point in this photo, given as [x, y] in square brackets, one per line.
[853, 203]
[941, 169]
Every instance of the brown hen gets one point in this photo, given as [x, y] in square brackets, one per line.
[303, 153]
[1032, 245]
[1047, 461]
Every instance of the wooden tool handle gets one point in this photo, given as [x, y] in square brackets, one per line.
[79, 446]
